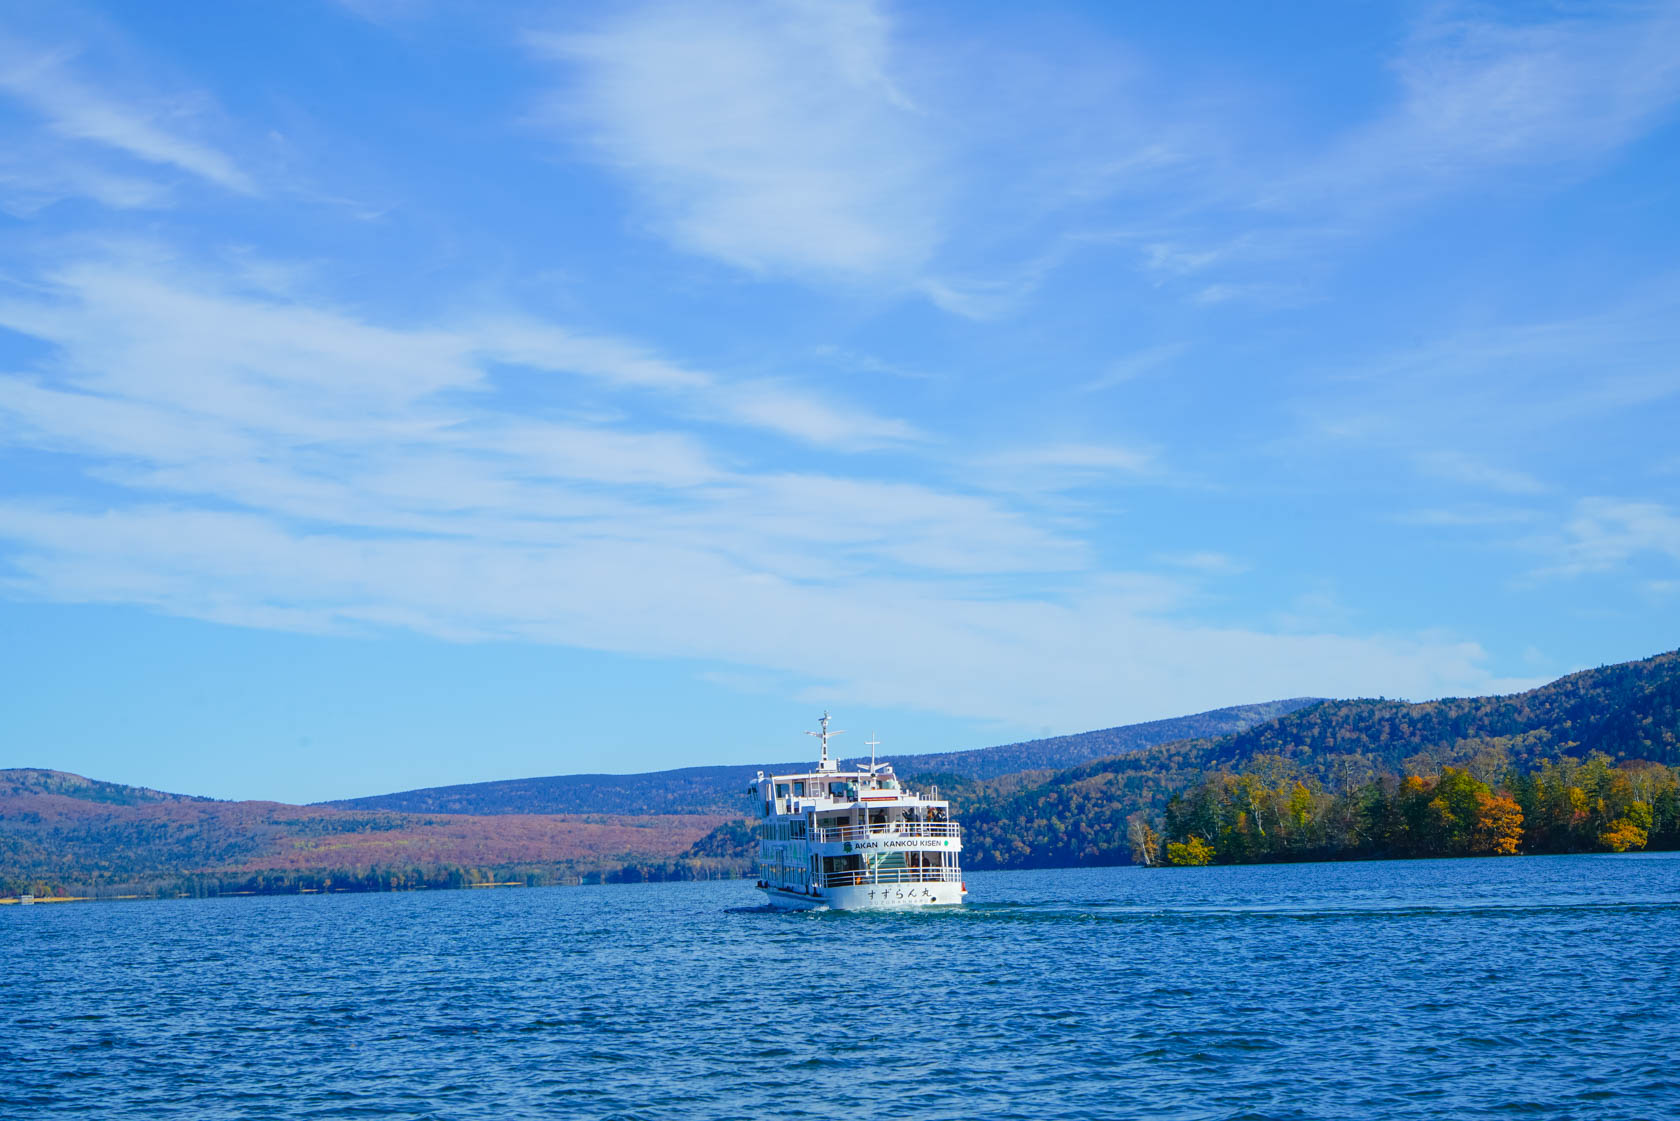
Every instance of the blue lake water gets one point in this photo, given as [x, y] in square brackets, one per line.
[1546, 987]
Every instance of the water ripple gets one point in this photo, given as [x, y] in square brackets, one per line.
[1536, 987]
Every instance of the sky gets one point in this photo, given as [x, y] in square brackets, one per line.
[397, 393]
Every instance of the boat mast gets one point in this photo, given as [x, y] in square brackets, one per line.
[826, 764]
[872, 743]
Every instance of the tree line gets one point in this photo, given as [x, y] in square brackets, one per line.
[1272, 810]
[376, 878]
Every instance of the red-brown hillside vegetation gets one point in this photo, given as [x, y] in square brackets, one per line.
[84, 835]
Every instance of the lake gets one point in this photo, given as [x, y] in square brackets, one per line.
[1541, 986]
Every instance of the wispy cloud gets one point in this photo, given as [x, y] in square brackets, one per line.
[1138, 364]
[1604, 534]
[211, 344]
[1479, 95]
[799, 414]
[1468, 517]
[78, 110]
[1056, 469]
[770, 135]
[1104, 458]
[885, 642]
[1206, 562]
[274, 461]
[1461, 468]
[1478, 99]
[1498, 386]
[823, 140]
[31, 180]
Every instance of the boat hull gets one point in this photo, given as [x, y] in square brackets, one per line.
[870, 897]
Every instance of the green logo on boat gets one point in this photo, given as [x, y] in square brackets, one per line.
[847, 847]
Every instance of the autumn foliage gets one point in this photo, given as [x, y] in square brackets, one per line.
[1272, 812]
[99, 838]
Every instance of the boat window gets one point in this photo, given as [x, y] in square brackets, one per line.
[781, 790]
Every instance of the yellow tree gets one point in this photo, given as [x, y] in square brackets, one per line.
[1630, 831]
[1192, 853]
[1498, 826]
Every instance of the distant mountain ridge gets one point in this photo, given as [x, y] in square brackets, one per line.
[21, 781]
[718, 789]
[1058, 752]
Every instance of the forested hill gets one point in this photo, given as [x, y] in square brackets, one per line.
[1067, 751]
[64, 833]
[720, 789]
[23, 781]
[1627, 712]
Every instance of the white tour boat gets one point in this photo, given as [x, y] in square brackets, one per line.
[854, 839]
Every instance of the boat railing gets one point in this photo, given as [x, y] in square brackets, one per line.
[864, 877]
[889, 829]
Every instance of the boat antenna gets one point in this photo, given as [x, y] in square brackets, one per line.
[872, 744]
[825, 765]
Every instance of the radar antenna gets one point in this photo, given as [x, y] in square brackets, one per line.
[826, 764]
[872, 743]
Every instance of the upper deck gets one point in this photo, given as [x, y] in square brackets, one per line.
[837, 790]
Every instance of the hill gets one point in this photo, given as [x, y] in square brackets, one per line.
[1625, 711]
[717, 790]
[1628, 713]
[89, 837]
[25, 781]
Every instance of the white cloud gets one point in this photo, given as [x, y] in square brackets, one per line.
[1081, 457]
[191, 385]
[1206, 562]
[1138, 364]
[811, 419]
[31, 180]
[1497, 386]
[554, 348]
[1604, 534]
[209, 345]
[1477, 517]
[75, 110]
[1479, 95]
[1055, 469]
[280, 463]
[1101, 655]
[1513, 100]
[1458, 467]
[769, 135]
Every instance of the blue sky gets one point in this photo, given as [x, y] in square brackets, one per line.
[397, 393]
